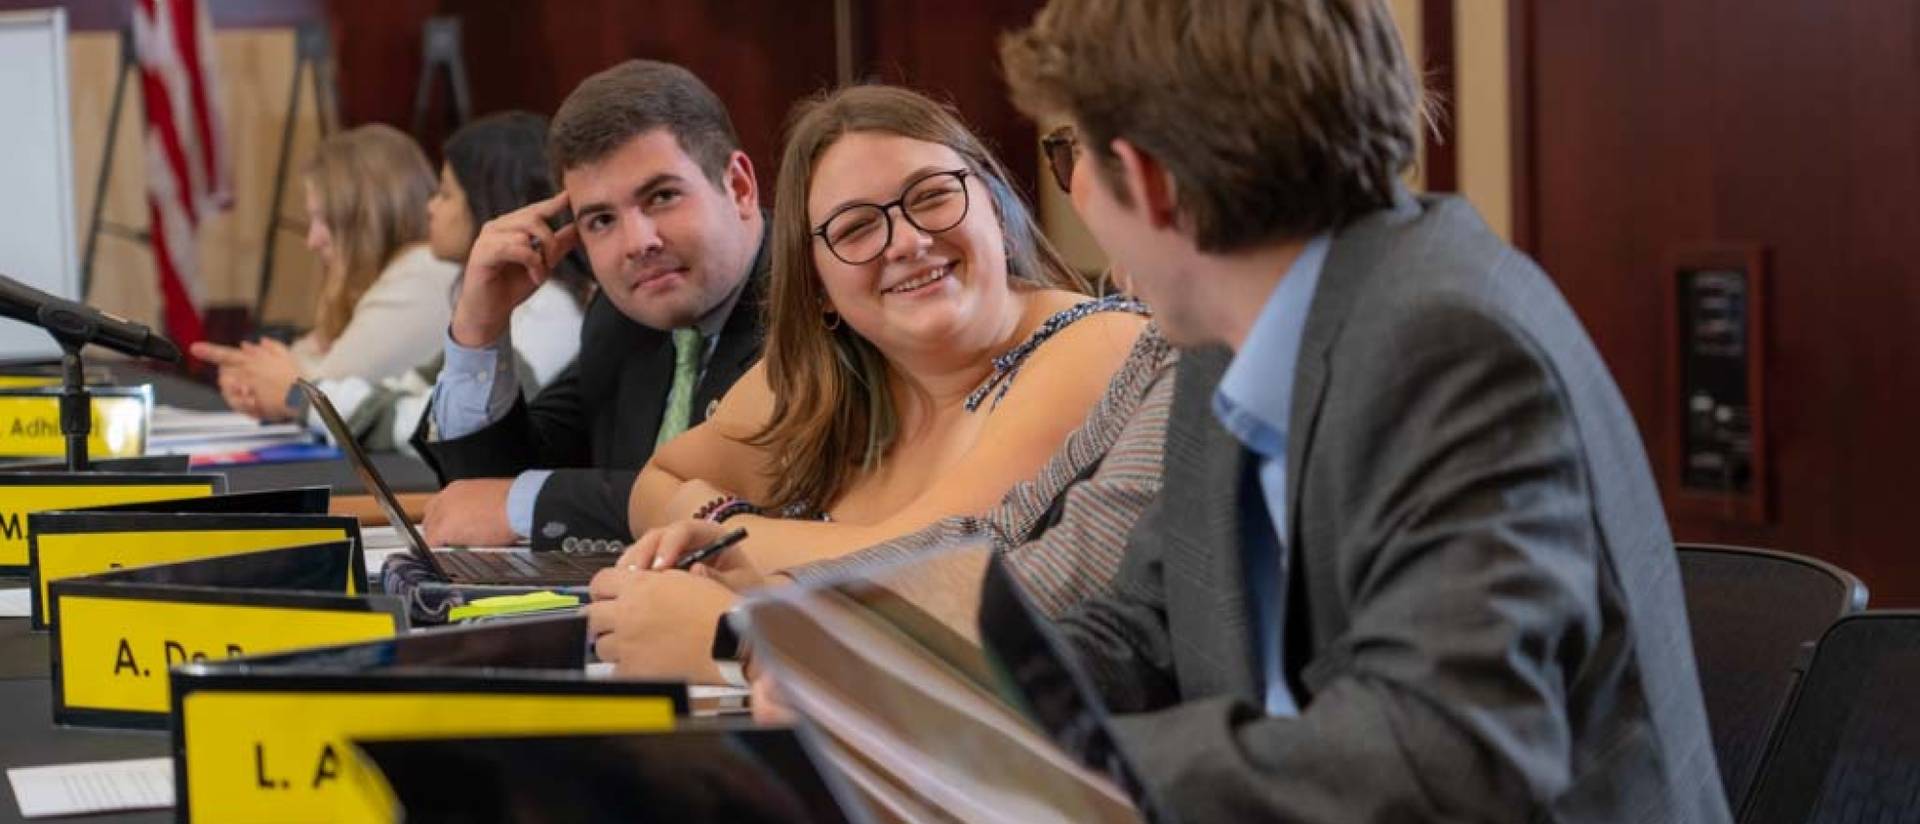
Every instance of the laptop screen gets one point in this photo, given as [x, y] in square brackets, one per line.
[369, 476]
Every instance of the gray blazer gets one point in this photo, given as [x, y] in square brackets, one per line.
[1485, 619]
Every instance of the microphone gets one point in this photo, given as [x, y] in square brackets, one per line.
[74, 323]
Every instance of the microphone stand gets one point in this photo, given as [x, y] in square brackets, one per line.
[73, 326]
[76, 405]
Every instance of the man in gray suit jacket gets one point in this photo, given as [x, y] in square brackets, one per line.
[1408, 562]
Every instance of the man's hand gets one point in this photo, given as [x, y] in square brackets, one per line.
[661, 626]
[470, 513]
[512, 255]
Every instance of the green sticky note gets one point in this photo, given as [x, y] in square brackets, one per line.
[510, 604]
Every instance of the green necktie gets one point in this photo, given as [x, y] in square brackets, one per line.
[686, 368]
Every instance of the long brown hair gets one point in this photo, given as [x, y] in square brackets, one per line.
[833, 412]
[373, 182]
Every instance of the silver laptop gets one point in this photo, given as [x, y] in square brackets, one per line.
[514, 567]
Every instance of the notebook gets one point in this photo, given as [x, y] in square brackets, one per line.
[886, 667]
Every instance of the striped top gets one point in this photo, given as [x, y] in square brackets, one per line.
[1092, 489]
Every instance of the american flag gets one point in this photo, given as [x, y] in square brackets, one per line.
[189, 172]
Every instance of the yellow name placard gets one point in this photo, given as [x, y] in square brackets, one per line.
[285, 756]
[30, 426]
[113, 653]
[68, 555]
[32, 377]
[24, 496]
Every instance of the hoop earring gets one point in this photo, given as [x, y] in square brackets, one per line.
[830, 319]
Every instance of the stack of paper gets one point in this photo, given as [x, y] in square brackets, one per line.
[889, 668]
[178, 431]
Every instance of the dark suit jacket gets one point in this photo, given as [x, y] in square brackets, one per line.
[595, 424]
[1484, 621]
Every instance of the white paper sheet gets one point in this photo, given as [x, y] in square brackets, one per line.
[380, 541]
[382, 537]
[14, 603]
[93, 787]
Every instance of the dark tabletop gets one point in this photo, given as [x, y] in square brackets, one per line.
[28, 737]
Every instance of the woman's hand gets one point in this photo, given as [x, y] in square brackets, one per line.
[254, 377]
[661, 626]
[764, 699]
[660, 548]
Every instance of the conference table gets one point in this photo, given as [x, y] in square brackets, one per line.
[28, 736]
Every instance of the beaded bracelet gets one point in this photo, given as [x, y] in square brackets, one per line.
[726, 506]
[707, 509]
[735, 507]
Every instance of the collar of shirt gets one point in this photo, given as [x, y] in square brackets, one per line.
[1255, 395]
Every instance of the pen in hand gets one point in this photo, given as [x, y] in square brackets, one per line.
[687, 561]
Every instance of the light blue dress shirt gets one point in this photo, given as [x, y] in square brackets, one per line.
[1254, 402]
[477, 386]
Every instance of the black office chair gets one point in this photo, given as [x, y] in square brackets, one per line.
[1756, 615]
[1849, 747]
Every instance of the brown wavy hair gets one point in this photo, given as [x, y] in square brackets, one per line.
[373, 182]
[834, 412]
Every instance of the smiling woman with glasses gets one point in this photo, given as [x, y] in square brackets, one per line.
[861, 232]
[927, 349]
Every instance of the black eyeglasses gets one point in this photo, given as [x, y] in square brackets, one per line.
[861, 232]
[1062, 148]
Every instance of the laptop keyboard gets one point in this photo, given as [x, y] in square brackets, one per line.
[545, 567]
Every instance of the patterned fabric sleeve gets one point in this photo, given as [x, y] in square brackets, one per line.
[1008, 364]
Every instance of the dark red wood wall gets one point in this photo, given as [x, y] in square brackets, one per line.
[1646, 126]
[760, 56]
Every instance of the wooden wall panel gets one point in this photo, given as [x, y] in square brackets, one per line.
[1652, 124]
[376, 46]
[925, 44]
[757, 55]
[760, 56]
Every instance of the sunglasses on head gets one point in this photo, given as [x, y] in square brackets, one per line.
[1062, 148]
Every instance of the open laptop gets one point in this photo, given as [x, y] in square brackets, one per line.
[506, 567]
